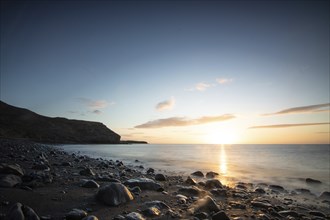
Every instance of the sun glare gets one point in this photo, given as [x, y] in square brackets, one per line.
[221, 137]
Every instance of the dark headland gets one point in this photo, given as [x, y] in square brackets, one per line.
[20, 123]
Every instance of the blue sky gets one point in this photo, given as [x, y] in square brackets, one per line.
[116, 61]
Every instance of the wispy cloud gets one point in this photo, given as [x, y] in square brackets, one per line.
[202, 86]
[183, 121]
[288, 125]
[302, 109]
[94, 104]
[224, 80]
[97, 112]
[166, 105]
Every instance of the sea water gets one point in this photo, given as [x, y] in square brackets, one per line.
[285, 165]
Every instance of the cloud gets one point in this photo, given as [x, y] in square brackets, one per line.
[95, 104]
[183, 121]
[202, 86]
[224, 80]
[302, 109]
[166, 105]
[288, 125]
[97, 112]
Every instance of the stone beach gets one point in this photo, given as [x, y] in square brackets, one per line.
[39, 181]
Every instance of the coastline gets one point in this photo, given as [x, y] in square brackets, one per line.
[52, 184]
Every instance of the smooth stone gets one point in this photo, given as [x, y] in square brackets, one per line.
[201, 215]
[90, 184]
[259, 204]
[29, 213]
[87, 172]
[286, 213]
[143, 183]
[9, 180]
[150, 171]
[312, 181]
[276, 187]
[114, 194]
[260, 190]
[11, 169]
[191, 191]
[190, 181]
[136, 190]
[325, 195]
[211, 174]
[151, 212]
[237, 205]
[198, 173]
[213, 183]
[220, 216]
[75, 214]
[134, 216]
[90, 217]
[205, 204]
[16, 212]
[160, 177]
[219, 192]
[158, 204]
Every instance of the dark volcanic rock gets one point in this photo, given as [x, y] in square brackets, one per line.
[22, 123]
[16, 212]
[114, 194]
[205, 204]
[220, 216]
[160, 177]
[76, 214]
[143, 183]
[198, 173]
[9, 180]
[87, 172]
[11, 169]
[190, 181]
[90, 184]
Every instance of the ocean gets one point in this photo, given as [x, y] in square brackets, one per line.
[285, 165]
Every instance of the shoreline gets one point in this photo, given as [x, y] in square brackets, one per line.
[52, 184]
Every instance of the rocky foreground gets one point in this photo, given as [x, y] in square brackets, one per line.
[42, 182]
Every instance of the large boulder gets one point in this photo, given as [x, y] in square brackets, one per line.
[9, 180]
[114, 194]
[11, 169]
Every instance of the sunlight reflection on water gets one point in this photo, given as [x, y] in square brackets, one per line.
[223, 161]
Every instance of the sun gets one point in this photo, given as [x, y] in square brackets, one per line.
[221, 136]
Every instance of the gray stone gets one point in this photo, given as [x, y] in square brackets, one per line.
[76, 214]
[143, 183]
[114, 194]
[11, 169]
[190, 181]
[134, 216]
[276, 187]
[9, 180]
[160, 177]
[214, 183]
[260, 190]
[206, 204]
[151, 212]
[191, 191]
[220, 216]
[211, 174]
[87, 172]
[15, 212]
[325, 195]
[312, 181]
[260, 204]
[158, 204]
[198, 173]
[29, 213]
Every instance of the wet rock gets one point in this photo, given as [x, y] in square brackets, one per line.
[136, 190]
[201, 215]
[87, 172]
[312, 181]
[41, 166]
[150, 171]
[134, 216]
[205, 204]
[114, 194]
[90, 217]
[260, 190]
[158, 204]
[317, 213]
[90, 184]
[9, 180]
[325, 195]
[198, 173]
[76, 214]
[260, 204]
[151, 212]
[276, 187]
[160, 177]
[190, 181]
[191, 191]
[143, 183]
[219, 192]
[66, 164]
[29, 213]
[119, 217]
[220, 216]
[286, 213]
[211, 174]
[237, 205]
[11, 169]
[214, 183]
[16, 212]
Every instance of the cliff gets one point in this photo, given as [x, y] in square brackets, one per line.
[25, 124]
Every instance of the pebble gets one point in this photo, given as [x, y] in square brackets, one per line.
[75, 214]
[134, 216]
[90, 217]
[90, 184]
[190, 181]
[213, 183]
[143, 183]
[160, 177]
[87, 172]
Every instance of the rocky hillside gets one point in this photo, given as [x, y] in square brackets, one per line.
[22, 123]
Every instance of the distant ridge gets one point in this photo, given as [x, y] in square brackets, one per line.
[21, 123]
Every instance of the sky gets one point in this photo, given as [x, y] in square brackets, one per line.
[210, 72]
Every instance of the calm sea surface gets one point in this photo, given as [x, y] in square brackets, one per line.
[286, 165]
